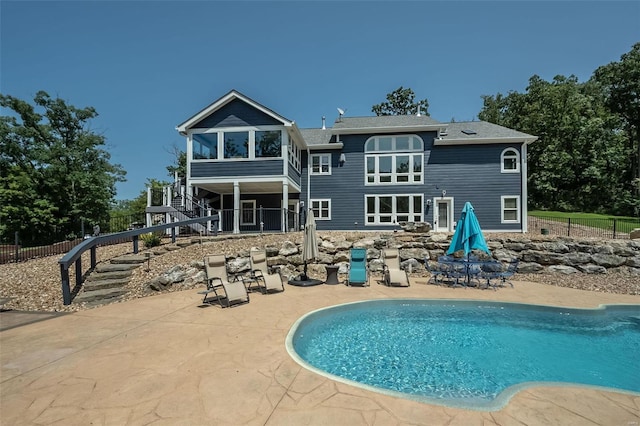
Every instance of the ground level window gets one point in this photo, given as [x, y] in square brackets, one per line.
[321, 209]
[248, 212]
[510, 209]
[392, 209]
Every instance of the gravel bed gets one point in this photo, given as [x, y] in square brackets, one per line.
[35, 285]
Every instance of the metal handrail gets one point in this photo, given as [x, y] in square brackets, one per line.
[75, 254]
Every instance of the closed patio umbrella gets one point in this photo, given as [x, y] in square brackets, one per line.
[310, 243]
[468, 235]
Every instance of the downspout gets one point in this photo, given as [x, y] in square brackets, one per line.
[308, 206]
[524, 202]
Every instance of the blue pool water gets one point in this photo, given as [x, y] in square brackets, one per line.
[467, 353]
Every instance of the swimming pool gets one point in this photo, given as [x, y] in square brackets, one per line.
[471, 354]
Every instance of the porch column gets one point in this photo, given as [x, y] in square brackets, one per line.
[285, 207]
[236, 207]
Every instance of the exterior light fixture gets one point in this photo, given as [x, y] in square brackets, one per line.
[343, 159]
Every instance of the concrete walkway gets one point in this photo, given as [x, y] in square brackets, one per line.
[166, 360]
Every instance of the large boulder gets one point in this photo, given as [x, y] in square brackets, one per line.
[635, 234]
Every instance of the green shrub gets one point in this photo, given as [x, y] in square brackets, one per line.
[151, 239]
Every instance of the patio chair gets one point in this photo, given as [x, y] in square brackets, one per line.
[392, 273]
[437, 271]
[217, 282]
[358, 270]
[261, 275]
[494, 271]
[512, 268]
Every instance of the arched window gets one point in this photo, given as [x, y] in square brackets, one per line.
[510, 161]
[394, 160]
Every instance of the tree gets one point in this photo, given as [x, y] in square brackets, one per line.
[574, 165]
[621, 84]
[59, 167]
[401, 102]
[180, 162]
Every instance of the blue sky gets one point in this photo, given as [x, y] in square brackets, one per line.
[147, 66]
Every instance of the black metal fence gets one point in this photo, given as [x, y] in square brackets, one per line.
[18, 251]
[583, 227]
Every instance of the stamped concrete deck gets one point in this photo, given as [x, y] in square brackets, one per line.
[165, 360]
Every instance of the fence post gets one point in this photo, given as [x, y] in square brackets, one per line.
[15, 246]
[568, 227]
[614, 228]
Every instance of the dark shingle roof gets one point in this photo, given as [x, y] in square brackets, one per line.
[316, 136]
[384, 121]
[480, 130]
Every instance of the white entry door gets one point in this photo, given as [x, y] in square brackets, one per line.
[443, 215]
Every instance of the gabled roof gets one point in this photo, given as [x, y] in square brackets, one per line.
[479, 132]
[233, 94]
[385, 124]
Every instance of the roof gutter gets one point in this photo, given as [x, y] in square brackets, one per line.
[481, 141]
[392, 129]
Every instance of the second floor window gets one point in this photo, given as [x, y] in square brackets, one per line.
[321, 164]
[394, 160]
[510, 160]
[246, 144]
[236, 144]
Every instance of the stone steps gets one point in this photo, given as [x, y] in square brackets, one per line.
[108, 281]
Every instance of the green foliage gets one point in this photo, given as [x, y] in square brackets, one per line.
[401, 102]
[151, 239]
[54, 171]
[620, 82]
[581, 159]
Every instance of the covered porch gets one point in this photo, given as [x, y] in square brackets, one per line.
[267, 205]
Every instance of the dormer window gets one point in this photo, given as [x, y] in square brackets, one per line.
[510, 161]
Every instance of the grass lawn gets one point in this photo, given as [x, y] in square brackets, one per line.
[622, 223]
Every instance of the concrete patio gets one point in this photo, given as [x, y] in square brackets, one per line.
[168, 360]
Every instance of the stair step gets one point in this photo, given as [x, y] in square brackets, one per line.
[129, 259]
[105, 295]
[108, 275]
[103, 284]
[111, 267]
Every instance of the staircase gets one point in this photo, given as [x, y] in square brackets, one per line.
[107, 283]
[179, 215]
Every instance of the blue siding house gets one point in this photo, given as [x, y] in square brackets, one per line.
[363, 173]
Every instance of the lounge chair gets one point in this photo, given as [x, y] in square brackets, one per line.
[393, 275]
[260, 274]
[218, 282]
[358, 270]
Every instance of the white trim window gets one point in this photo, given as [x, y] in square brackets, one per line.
[321, 208]
[392, 209]
[510, 208]
[510, 161]
[320, 164]
[237, 144]
[247, 212]
[295, 155]
[394, 160]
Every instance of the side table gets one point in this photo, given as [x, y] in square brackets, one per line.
[332, 274]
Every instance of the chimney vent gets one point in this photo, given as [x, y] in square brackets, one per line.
[324, 123]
